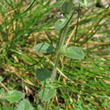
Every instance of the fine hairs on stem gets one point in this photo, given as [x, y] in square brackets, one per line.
[62, 39]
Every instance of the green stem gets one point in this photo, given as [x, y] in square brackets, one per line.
[62, 39]
[70, 6]
[6, 105]
[46, 105]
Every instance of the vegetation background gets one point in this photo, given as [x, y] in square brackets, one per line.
[83, 84]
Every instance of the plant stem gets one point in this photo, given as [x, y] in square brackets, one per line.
[46, 105]
[62, 39]
[6, 105]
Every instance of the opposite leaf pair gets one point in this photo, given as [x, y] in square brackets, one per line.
[72, 52]
[43, 74]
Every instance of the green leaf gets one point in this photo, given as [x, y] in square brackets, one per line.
[14, 96]
[42, 74]
[73, 52]
[47, 93]
[46, 83]
[1, 79]
[65, 7]
[39, 107]
[25, 105]
[62, 50]
[43, 48]
[83, 3]
[2, 9]
[60, 23]
[2, 93]
[54, 85]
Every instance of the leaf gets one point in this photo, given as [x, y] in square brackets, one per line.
[1, 79]
[60, 23]
[2, 10]
[73, 52]
[54, 85]
[2, 93]
[65, 7]
[62, 50]
[46, 83]
[42, 74]
[83, 3]
[25, 105]
[43, 48]
[14, 96]
[47, 93]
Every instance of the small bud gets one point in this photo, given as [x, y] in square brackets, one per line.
[61, 15]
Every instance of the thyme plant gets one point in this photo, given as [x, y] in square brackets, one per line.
[73, 52]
